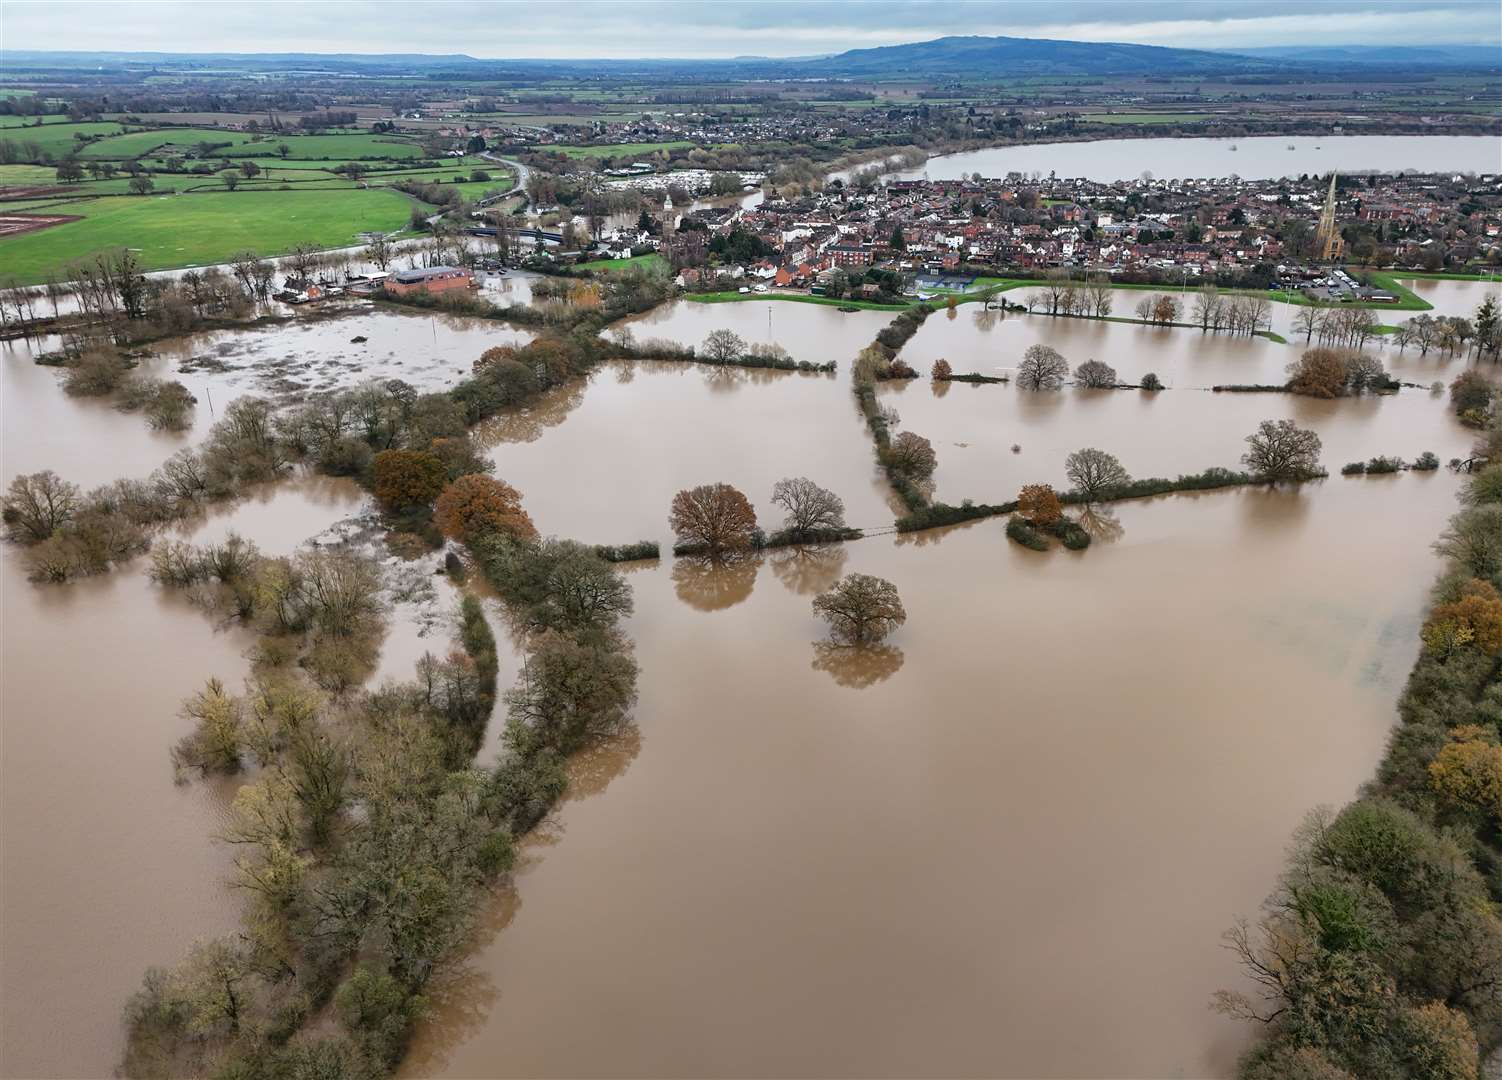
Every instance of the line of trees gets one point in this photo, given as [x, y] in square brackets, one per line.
[1450, 333]
[1380, 951]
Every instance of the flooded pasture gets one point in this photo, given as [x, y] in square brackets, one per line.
[816, 333]
[1263, 157]
[1030, 815]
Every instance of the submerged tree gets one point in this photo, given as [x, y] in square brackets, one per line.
[861, 609]
[1039, 504]
[1042, 368]
[476, 505]
[37, 505]
[1096, 375]
[1280, 450]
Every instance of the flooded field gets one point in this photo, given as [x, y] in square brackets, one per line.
[640, 432]
[118, 869]
[813, 332]
[1030, 817]
[285, 361]
[1450, 297]
[1260, 158]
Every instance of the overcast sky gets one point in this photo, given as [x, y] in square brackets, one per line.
[718, 28]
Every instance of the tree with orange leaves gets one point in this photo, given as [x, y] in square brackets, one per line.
[407, 477]
[1474, 619]
[1039, 504]
[476, 505]
[713, 517]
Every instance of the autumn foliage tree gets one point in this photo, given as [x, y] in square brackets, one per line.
[1472, 620]
[942, 372]
[912, 455]
[1039, 504]
[408, 478]
[476, 505]
[1469, 770]
[713, 517]
[1320, 373]
[861, 609]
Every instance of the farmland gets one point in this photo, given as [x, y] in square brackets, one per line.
[173, 231]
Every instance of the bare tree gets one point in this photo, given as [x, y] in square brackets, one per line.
[1042, 368]
[1094, 473]
[810, 508]
[1096, 375]
[723, 346]
[37, 505]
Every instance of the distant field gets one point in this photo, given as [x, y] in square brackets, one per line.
[646, 262]
[58, 139]
[1147, 118]
[342, 147]
[619, 149]
[183, 230]
[137, 143]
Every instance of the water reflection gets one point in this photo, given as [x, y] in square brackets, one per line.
[706, 583]
[531, 423]
[592, 769]
[856, 666]
[809, 570]
[1101, 523]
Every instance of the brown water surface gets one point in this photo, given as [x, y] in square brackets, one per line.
[1003, 845]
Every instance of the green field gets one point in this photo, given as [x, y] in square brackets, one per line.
[136, 143]
[57, 139]
[351, 147]
[652, 261]
[618, 149]
[186, 230]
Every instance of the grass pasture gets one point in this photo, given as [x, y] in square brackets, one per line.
[185, 230]
[57, 139]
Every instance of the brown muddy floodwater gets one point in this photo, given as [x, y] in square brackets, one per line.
[1449, 297]
[107, 866]
[1003, 846]
[1183, 429]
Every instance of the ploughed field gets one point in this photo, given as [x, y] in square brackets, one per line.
[1055, 786]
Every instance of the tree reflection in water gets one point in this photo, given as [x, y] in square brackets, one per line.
[856, 666]
[940, 387]
[529, 423]
[809, 570]
[1101, 524]
[707, 583]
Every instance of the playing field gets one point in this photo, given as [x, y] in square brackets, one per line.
[188, 230]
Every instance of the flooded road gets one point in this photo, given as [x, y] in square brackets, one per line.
[1263, 157]
[1029, 818]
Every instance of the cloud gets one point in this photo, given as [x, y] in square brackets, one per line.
[691, 28]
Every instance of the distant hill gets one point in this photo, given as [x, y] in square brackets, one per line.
[1468, 56]
[974, 56]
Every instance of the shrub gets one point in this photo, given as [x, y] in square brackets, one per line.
[1353, 468]
[1426, 462]
[642, 549]
[1470, 393]
[1021, 532]
[1384, 465]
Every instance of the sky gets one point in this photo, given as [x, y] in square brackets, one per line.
[718, 28]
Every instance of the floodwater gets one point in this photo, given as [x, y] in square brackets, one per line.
[285, 361]
[1264, 157]
[1182, 429]
[107, 866]
[1450, 297]
[1005, 845]
[931, 858]
[601, 464]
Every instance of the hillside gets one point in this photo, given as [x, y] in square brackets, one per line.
[1031, 56]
